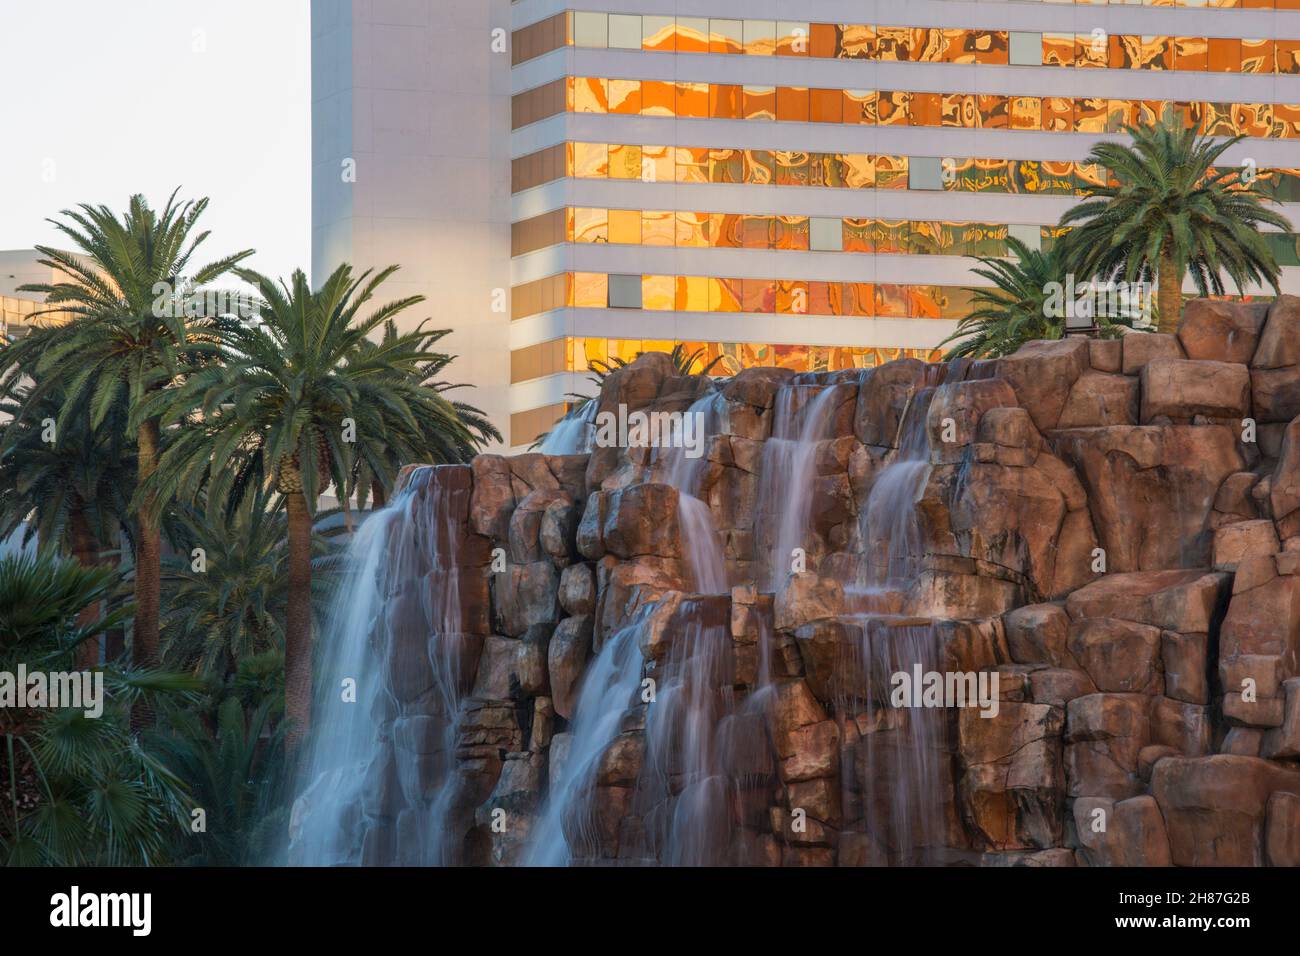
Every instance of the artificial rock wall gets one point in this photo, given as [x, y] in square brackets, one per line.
[1111, 525]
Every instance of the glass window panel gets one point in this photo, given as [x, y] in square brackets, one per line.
[624, 31]
[1091, 49]
[590, 225]
[758, 231]
[625, 97]
[624, 292]
[826, 106]
[658, 33]
[927, 238]
[860, 107]
[930, 45]
[692, 164]
[923, 302]
[857, 170]
[624, 162]
[891, 107]
[725, 230]
[725, 36]
[760, 102]
[692, 229]
[890, 236]
[792, 297]
[658, 97]
[992, 111]
[891, 300]
[891, 172]
[1191, 53]
[1287, 55]
[857, 42]
[1253, 119]
[792, 38]
[760, 37]
[625, 226]
[658, 228]
[1286, 125]
[693, 100]
[893, 43]
[726, 166]
[991, 46]
[826, 234]
[692, 35]
[1089, 115]
[1026, 49]
[951, 46]
[792, 104]
[857, 235]
[692, 294]
[759, 166]
[857, 299]
[590, 95]
[657, 164]
[1058, 114]
[591, 160]
[724, 295]
[1219, 120]
[591, 29]
[824, 170]
[824, 40]
[1026, 112]
[1257, 56]
[791, 233]
[1225, 55]
[726, 101]
[925, 172]
[758, 295]
[658, 293]
[924, 109]
[819, 297]
[959, 109]
[590, 290]
[1058, 49]
[791, 168]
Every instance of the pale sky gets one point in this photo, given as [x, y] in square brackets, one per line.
[100, 99]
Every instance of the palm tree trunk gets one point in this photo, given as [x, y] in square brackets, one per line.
[148, 568]
[1169, 291]
[297, 640]
[377, 493]
[85, 549]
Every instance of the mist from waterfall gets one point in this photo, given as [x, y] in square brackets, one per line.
[573, 434]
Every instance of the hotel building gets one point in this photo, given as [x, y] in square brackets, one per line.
[774, 182]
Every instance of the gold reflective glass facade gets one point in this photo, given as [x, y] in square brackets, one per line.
[694, 293]
[575, 353]
[901, 108]
[847, 41]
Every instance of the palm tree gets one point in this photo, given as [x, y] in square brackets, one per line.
[132, 292]
[1171, 211]
[284, 408]
[227, 590]
[383, 446]
[1015, 309]
[67, 488]
[74, 789]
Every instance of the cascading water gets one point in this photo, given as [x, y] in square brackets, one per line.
[901, 764]
[801, 418]
[391, 679]
[685, 473]
[609, 688]
[573, 434]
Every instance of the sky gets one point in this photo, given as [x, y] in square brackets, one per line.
[100, 99]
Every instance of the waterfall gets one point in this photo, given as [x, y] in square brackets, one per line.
[389, 686]
[789, 467]
[901, 763]
[609, 688]
[699, 540]
[574, 433]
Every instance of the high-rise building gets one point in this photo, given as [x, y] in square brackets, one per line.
[768, 181]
